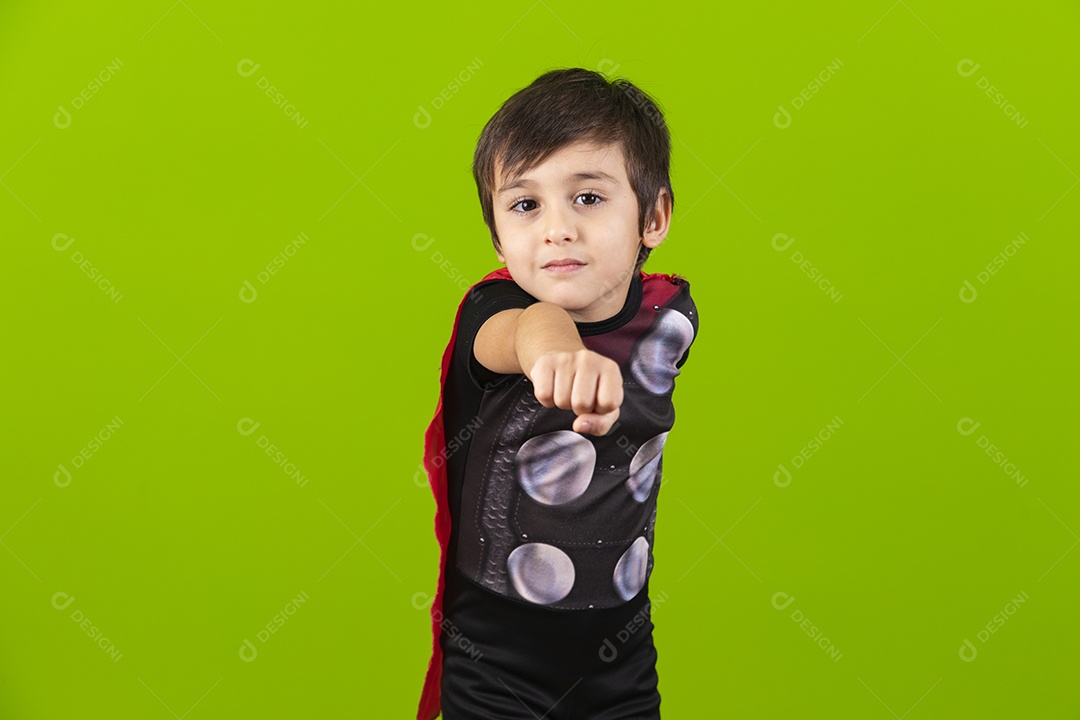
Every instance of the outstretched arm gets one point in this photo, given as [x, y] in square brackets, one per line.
[542, 343]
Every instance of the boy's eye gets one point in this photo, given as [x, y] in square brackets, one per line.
[516, 207]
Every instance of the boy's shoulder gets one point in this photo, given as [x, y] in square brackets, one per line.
[501, 273]
[673, 278]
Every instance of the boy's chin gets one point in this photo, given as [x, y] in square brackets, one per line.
[568, 298]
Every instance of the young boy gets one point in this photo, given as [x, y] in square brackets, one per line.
[545, 451]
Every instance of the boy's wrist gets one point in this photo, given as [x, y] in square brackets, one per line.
[542, 328]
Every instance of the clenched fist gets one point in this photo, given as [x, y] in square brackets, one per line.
[584, 381]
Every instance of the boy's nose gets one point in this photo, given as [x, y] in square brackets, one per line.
[560, 226]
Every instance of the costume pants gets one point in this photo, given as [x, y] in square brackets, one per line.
[505, 660]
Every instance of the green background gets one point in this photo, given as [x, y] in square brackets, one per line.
[896, 536]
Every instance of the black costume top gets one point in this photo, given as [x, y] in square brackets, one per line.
[529, 511]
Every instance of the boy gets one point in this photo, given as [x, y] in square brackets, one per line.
[544, 454]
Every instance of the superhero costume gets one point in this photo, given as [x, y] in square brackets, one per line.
[551, 518]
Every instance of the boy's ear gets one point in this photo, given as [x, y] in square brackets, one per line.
[657, 226]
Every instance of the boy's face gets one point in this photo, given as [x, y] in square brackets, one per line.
[576, 205]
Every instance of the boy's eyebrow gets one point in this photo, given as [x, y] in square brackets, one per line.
[574, 177]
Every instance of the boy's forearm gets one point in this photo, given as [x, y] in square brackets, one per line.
[544, 327]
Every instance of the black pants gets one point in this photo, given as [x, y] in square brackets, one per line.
[505, 660]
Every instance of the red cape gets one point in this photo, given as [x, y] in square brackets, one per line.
[435, 465]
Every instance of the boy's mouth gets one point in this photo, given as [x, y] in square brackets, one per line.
[564, 265]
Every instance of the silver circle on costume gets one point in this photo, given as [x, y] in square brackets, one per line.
[556, 467]
[630, 571]
[653, 364]
[644, 466]
[541, 573]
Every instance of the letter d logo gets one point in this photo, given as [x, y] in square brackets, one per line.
[62, 118]
[968, 293]
[248, 652]
[247, 67]
[422, 118]
[246, 426]
[782, 118]
[62, 477]
[782, 477]
[786, 245]
[966, 426]
[67, 241]
[788, 599]
[967, 67]
[248, 293]
[64, 598]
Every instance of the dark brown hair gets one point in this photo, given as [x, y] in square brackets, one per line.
[569, 105]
